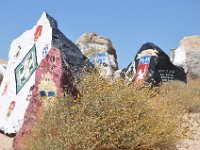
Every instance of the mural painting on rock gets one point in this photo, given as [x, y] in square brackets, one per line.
[25, 69]
[152, 65]
[40, 49]
[100, 52]
[19, 76]
[60, 63]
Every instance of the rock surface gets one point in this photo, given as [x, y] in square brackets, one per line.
[187, 55]
[30, 61]
[61, 62]
[152, 65]
[2, 69]
[100, 52]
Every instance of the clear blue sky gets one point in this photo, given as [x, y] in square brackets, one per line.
[128, 23]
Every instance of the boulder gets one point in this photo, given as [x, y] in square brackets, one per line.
[152, 65]
[40, 57]
[100, 52]
[187, 55]
[58, 63]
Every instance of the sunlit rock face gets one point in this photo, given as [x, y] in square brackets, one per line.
[187, 55]
[39, 56]
[152, 65]
[44, 65]
[100, 52]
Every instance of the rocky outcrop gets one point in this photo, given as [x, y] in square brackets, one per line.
[187, 55]
[42, 64]
[57, 62]
[100, 52]
[152, 65]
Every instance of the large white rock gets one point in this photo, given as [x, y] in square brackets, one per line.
[26, 53]
[187, 55]
[100, 52]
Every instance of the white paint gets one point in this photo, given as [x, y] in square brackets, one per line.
[18, 50]
[180, 57]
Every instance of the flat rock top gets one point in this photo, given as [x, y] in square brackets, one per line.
[5, 142]
[191, 43]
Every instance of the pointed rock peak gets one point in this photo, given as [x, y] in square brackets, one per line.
[47, 19]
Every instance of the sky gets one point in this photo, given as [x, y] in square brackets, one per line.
[128, 23]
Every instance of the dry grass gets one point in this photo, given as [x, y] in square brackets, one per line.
[115, 116]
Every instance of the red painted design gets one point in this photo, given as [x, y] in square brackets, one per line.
[38, 32]
[5, 88]
[141, 72]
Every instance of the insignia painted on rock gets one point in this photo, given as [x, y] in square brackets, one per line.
[45, 50]
[47, 87]
[10, 109]
[37, 33]
[143, 67]
[25, 69]
[47, 90]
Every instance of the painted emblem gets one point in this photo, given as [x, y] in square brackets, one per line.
[45, 50]
[143, 67]
[47, 89]
[7, 83]
[10, 109]
[38, 33]
[25, 69]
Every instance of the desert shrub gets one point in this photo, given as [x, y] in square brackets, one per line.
[188, 94]
[109, 116]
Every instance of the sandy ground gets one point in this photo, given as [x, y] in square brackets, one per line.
[192, 142]
[5, 142]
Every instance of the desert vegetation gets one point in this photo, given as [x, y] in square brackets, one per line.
[113, 116]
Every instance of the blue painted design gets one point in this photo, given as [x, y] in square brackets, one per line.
[44, 51]
[43, 93]
[51, 94]
[145, 60]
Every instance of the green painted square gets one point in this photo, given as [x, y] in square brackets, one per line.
[25, 69]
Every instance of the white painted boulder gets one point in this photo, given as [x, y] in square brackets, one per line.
[100, 52]
[25, 56]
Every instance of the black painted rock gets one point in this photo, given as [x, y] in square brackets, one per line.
[153, 65]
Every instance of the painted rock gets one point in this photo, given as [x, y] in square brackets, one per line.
[187, 55]
[152, 65]
[100, 52]
[40, 56]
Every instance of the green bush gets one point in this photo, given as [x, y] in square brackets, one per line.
[110, 116]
